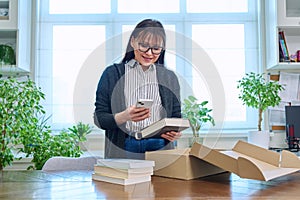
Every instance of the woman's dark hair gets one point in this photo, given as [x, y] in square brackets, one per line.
[142, 30]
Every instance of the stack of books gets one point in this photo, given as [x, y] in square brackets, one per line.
[123, 171]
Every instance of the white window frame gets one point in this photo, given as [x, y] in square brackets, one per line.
[183, 22]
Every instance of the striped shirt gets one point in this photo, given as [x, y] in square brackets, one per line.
[140, 84]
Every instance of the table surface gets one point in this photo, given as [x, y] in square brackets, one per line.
[79, 185]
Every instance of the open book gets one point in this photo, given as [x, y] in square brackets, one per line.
[163, 126]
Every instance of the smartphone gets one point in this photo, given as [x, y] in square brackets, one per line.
[146, 103]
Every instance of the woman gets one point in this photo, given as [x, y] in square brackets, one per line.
[140, 75]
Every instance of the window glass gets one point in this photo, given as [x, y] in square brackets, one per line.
[69, 53]
[79, 6]
[216, 6]
[65, 44]
[146, 6]
[225, 45]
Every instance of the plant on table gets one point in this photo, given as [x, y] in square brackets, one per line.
[197, 114]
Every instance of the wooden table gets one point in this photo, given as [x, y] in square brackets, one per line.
[78, 185]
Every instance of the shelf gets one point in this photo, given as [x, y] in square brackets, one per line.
[282, 15]
[292, 8]
[288, 12]
[12, 70]
[277, 19]
[286, 66]
[4, 17]
[16, 32]
[4, 10]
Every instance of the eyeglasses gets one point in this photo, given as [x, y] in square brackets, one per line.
[156, 50]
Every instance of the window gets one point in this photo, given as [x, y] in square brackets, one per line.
[79, 6]
[210, 45]
[221, 41]
[67, 45]
[217, 6]
[146, 6]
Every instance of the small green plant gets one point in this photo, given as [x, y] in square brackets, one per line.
[197, 113]
[19, 108]
[81, 130]
[258, 93]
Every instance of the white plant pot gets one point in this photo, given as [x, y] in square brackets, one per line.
[259, 138]
[278, 139]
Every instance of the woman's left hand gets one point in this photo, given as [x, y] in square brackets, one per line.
[171, 136]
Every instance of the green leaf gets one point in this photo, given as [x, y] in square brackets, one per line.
[196, 113]
[258, 93]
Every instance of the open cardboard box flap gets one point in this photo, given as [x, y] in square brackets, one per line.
[246, 160]
[249, 161]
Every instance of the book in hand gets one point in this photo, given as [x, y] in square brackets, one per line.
[121, 163]
[162, 126]
[121, 181]
[123, 173]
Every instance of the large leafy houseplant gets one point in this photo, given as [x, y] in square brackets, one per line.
[19, 108]
[197, 114]
[44, 144]
[24, 127]
[258, 93]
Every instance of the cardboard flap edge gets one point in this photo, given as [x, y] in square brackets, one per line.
[289, 159]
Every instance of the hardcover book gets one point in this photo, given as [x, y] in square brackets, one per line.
[283, 46]
[125, 163]
[163, 126]
[123, 173]
[121, 181]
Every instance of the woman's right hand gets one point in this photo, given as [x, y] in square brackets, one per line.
[132, 113]
[138, 113]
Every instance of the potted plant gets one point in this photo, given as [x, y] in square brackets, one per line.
[258, 93]
[81, 130]
[43, 144]
[7, 55]
[19, 108]
[197, 114]
[50, 145]
[24, 129]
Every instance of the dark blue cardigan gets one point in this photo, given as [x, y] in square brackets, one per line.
[110, 100]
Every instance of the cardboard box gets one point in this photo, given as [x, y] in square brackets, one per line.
[246, 160]
[177, 163]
